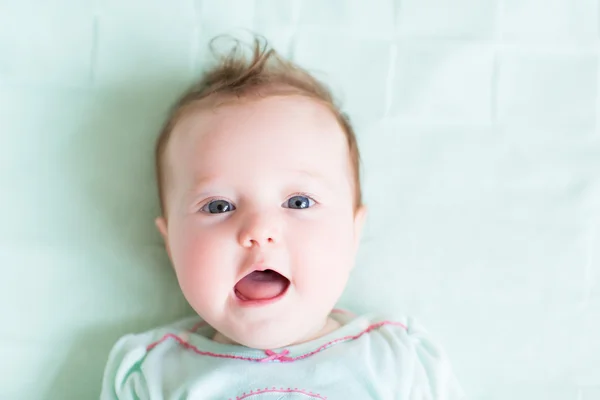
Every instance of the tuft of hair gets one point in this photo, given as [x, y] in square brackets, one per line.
[238, 76]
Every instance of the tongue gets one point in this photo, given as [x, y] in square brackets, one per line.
[261, 285]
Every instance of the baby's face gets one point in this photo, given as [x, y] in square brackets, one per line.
[261, 229]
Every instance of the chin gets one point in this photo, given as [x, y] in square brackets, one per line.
[265, 342]
[268, 336]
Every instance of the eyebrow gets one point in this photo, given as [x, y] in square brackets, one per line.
[310, 174]
[195, 188]
[196, 183]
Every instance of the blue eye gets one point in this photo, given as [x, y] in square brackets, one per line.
[218, 207]
[299, 202]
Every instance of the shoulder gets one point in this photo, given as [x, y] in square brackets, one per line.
[403, 329]
[415, 349]
[123, 368]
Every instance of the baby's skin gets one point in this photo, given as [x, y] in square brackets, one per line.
[261, 221]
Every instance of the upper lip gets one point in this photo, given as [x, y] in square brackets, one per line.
[260, 266]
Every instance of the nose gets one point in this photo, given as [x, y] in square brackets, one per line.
[259, 230]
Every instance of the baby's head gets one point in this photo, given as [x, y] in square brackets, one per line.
[261, 202]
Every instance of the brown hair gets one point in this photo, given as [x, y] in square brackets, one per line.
[265, 74]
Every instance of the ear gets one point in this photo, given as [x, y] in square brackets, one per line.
[359, 220]
[161, 225]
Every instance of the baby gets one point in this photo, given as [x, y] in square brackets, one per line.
[258, 176]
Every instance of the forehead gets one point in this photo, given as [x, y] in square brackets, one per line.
[265, 136]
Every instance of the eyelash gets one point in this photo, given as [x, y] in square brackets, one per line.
[305, 194]
[310, 196]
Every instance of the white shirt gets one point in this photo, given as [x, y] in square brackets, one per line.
[367, 358]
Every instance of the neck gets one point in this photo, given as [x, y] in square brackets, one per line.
[329, 326]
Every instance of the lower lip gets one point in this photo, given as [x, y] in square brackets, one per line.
[260, 303]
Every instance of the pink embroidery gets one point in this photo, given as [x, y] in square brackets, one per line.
[271, 356]
[349, 338]
[195, 349]
[280, 390]
[274, 356]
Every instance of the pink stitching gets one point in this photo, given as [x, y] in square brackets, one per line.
[280, 390]
[348, 338]
[270, 354]
[274, 356]
[195, 349]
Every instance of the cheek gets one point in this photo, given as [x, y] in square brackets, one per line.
[199, 257]
[324, 253]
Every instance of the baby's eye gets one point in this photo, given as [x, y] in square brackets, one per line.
[299, 202]
[218, 206]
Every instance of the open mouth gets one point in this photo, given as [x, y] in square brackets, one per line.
[261, 285]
